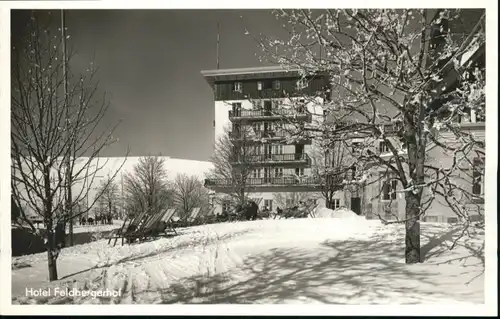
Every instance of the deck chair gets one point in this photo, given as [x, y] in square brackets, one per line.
[118, 231]
[133, 234]
[186, 222]
[133, 224]
[195, 216]
[150, 226]
[297, 212]
[258, 200]
[167, 219]
[312, 211]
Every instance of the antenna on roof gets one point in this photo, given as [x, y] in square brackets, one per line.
[218, 38]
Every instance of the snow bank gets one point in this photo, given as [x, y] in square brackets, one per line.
[341, 213]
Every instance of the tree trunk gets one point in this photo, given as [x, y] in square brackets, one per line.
[51, 254]
[412, 225]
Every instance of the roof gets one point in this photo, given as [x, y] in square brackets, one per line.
[252, 70]
[268, 72]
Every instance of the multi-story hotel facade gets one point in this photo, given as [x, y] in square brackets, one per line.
[260, 107]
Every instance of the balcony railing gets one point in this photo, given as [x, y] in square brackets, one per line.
[271, 158]
[278, 113]
[279, 134]
[265, 181]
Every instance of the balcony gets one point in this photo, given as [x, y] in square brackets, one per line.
[269, 135]
[270, 159]
[274, 114]
[268, 184]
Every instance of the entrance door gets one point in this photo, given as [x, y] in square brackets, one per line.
[356, 205]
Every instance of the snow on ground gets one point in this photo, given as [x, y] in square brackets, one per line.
[315, 260]
[89, 228]
[97, 228]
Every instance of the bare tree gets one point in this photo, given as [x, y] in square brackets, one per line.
[401, 80]
[147, 187]
[109, 196]
[334, 167]
[51, 129]
[234, 153]
[189, 193]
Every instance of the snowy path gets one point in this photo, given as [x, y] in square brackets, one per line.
[273, 261]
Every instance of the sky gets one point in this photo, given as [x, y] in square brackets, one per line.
[149, 66]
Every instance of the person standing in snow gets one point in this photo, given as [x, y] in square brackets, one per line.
[279, 212]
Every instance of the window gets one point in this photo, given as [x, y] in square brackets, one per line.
[389, 189]
[268, 203]
[452, 220]
[299, 171]
[384, 147]
[256, 149]
[278, 172]
[257, 104]
[267, 84]
[259, 86]
[335, 203]
[256, 173]
[431, 219]
[477, 176]
[276, 85]
[257, 126]
[289, 202]
[476, 218]
[277, 149]
[238, 87]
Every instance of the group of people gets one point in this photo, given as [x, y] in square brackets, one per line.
[101, 219]
[292, 211]
[250, 211]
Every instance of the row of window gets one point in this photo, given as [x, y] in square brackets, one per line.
[259, 126]
[268, 84]
[270, 149]
[270, 172]
[267, 105]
